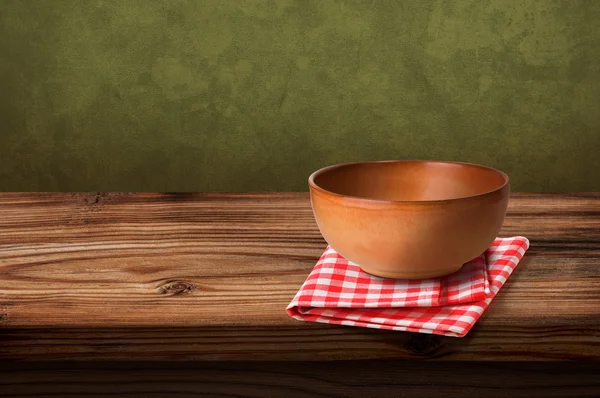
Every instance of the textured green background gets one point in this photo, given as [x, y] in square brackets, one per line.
[232, 95]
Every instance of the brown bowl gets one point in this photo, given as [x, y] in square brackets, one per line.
[409, 219]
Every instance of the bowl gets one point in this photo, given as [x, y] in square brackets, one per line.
[409, 219]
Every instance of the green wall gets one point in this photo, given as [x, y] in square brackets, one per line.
[232, 95]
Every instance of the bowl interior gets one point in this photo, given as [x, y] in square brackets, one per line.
[409, 180]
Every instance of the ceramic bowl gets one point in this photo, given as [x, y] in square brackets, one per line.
[409, 219]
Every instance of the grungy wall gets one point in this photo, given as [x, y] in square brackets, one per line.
[233, 95]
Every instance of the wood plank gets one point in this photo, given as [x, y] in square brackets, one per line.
[513, 342]
[208, 276]
[301, 379]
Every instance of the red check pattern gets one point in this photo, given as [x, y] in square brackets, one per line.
[338, 292]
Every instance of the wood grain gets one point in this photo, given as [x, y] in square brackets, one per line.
[208, 276]
[301, 379]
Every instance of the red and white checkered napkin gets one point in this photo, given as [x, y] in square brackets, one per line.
[339, 292]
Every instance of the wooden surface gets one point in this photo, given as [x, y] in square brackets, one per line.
[208, 276]
[360, 379]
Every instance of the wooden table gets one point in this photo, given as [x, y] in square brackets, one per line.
[207, 277]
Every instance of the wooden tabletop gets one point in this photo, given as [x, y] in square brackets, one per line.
[208, 277]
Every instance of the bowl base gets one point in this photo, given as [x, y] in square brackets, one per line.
[436, 273]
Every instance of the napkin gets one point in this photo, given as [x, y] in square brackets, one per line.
[338, 292]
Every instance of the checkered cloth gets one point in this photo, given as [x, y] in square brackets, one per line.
[339, 292]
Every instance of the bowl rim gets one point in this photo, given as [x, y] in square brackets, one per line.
[314, 186]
